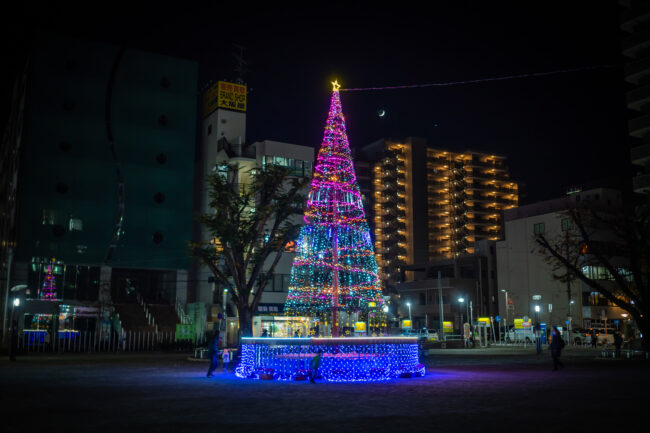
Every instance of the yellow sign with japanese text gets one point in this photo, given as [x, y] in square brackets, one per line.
[447, 327]
[406, 324]
[519, 323]
[224, 95]
[485, 320]
[360, 326]
[231, 96]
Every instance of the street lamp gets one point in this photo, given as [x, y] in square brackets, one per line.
[5, 315]
[460, 301]
[385, 308]
[408, 304]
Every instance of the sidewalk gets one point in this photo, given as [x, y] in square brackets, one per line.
[515, 350]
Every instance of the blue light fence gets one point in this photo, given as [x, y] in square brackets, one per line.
[342, 359]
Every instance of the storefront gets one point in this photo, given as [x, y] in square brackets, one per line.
[282, 326]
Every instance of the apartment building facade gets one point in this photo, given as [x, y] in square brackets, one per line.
[430, 204]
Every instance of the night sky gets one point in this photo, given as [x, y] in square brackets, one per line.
[557, 131]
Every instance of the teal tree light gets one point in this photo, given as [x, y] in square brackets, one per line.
[335, 267]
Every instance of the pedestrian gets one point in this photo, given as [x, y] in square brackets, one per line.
[538, 342]
[594, 338]
[618, 341]
[557, 344]
[314, 364]
[213, 353]
[13, 344]
[225, 359]
[296, 334]
[265, 333]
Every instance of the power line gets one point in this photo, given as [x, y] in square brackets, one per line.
[484, 80]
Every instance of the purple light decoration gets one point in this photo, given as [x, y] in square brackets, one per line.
[343, 359]
[335, 267]
[48, 291]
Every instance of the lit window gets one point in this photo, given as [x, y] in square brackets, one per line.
[75, 224]
[48, 217]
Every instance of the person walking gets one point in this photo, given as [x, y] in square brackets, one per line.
[557, 344]
[225, 359]
[314, 364]
[618, 341]
[213, 353]
[594, 338]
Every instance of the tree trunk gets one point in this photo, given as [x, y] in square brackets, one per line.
[245, 320]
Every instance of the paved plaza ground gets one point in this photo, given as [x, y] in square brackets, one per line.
[474, 390]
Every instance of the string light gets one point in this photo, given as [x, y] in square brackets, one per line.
[484, 80]
[48, 291]
[342, 359]
[334, 271]
[335, 238]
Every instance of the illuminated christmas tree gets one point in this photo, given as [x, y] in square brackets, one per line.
[335, 267]
[48, 292]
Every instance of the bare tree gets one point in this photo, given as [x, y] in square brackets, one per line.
[618, 240]
[250, 220]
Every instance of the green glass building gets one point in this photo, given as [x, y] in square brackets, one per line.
[77, 193]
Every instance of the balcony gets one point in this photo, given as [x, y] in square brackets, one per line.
[496, 166]
[479, 186]
[640, 155]
[634, 16]
[641, 183]
[638, 97]
[640, 126]
[636, 42]
[635, 71]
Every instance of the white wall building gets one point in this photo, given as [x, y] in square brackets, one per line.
[525, 278]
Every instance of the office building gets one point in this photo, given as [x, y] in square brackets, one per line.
[471, 277]
[224, 142]
[107, 212]
[526, 279]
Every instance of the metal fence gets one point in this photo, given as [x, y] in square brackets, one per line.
[91, 342]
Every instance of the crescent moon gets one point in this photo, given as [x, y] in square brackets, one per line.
[382, 113]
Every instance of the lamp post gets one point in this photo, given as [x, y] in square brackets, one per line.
[5, 316]
[505, 321]
[385, 309]
[224, 315]
[460, 301]
[408, 304]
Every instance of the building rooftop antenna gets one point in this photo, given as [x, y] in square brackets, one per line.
[240, 67]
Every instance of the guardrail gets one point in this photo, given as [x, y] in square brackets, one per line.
[91, 342]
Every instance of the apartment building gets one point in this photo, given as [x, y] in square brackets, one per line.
[431, 204]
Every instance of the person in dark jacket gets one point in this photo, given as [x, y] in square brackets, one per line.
[314, 364]
[213, 352]
[557, 344]
[594, 338]
[618, 341]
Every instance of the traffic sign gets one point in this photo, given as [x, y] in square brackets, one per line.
[498, 318]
